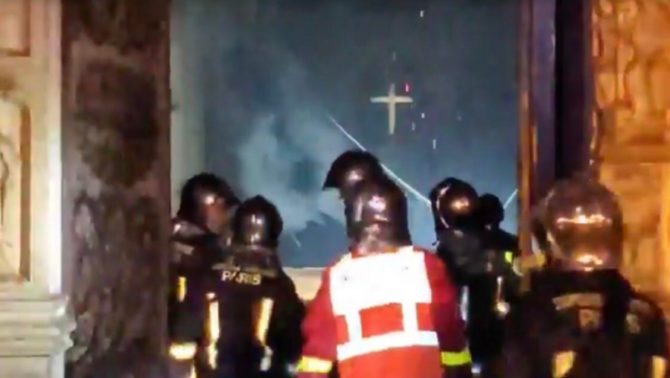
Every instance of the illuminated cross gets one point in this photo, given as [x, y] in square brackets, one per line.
[391, 99]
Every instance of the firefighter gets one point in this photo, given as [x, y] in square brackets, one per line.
[200, 231]
[253, 311]
[348, 170]
[581, 317]
[471, 244]
[455, 204]
[386, 308]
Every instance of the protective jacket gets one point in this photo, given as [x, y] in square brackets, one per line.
[579, 325]
[389, 314]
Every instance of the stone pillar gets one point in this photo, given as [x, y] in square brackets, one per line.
[34, 322]
[116, 187]
[631, 58]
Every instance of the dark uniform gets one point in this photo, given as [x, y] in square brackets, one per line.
[253, 311]
[581, 318]
[502, 247]
[480, 260]
[491, 214]
[197, 252]
[197, 248]
[454, 204]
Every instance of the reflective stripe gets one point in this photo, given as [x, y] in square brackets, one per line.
[213, 330]
[181, 288]
[378, 280]
[387, 341]
[410, 319]
[182, 351]
[263, 320]
[456, 359]
[314, 365]
[563, 363]
[659, 367]
[354, 325]
[371, 282]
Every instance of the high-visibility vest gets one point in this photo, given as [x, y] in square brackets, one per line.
[382, 302]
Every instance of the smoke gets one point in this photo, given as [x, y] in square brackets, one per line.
[288, 169]
[289, 148]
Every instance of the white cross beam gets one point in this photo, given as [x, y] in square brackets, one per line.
[392, 100]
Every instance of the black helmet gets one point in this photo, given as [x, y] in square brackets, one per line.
[256, 225]
[204, 189]
[580, 226]
[454, 203]
[378, 216]
[491, 212]
[351, 168]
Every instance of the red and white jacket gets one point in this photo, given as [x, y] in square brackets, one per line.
[391, 315]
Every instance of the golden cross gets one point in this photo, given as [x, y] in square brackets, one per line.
[391, 99]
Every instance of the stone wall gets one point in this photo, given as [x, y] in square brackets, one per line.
[116, 182]
[631, 57]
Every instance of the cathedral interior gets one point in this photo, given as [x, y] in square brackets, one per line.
[108, 106]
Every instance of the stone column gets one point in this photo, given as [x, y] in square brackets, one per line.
[34, 321]
[116, 184]
[631, 58]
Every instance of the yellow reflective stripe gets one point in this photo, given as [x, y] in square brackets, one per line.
[659, 366]
[563, 363]
[314, 365]
[456, 358]
[263, 320]
[182, 351]
[509, 257]
[181, 288]
[213, 330]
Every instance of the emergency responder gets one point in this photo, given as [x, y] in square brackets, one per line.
[471, 245]
[253, 311]
[200, 230]
[454, 204]
[386, 308]
[581, 317]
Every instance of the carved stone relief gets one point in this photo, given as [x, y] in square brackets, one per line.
[127, 25]
[14, 27]
[638, 188]
[13, 191]
[117, 248]
[115, 140]
[14, 143]
[116, 120]
[631, 40]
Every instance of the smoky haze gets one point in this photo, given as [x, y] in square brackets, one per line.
[268, 76]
